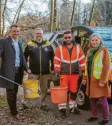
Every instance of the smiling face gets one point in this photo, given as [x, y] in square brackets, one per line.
[39, 35]
[95, 41]
[68, 38]
[15, 32]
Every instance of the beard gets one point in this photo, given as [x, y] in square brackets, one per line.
[68, 43]
[39, 41]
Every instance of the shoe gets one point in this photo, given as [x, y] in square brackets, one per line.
[62, 113]
[76, 111]
[103, 122]
[44, 108]
[24, 106]
[18, 117]
[92, 119]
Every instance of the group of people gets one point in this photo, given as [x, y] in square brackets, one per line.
[67, 61]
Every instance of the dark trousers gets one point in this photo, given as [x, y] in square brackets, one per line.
[12, 95]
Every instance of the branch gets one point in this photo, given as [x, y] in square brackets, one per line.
[18, 12]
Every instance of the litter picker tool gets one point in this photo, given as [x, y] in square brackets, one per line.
[17, 84]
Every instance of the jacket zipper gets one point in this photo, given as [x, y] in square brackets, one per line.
[70, 65]
[70, 61]
[40, 59]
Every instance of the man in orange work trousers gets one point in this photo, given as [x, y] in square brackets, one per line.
[69, 59]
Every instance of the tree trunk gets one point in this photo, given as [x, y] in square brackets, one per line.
[3, 18]
[0, 20]
[72, 17]
[51, 15]
[55, 16]
[91, 12]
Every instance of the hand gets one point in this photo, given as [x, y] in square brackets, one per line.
[84, 82]
[52, 72]
[101, 84]
[57, 73]
[81, 73]
[27, 72]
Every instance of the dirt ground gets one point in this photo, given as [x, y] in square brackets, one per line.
[35, 116]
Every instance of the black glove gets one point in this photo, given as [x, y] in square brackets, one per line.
[56, 81]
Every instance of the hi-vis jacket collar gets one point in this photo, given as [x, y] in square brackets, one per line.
[44, 43]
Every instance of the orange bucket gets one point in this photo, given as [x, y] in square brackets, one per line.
[59, 94]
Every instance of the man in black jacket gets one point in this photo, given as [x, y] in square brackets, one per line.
[12, 66]
[40, 53]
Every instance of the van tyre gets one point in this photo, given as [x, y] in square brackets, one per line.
[83, 101]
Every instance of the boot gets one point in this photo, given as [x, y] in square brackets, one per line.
[76, 110]
[62, 113]
[103, 122]
[92, 119]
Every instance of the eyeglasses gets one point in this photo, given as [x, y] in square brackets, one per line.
[67, 37]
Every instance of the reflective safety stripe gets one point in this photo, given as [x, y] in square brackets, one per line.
[84, 64]
[72, 61]
[56, 65]
[67, 61]
[72, 104]
[97, 72]
[46, 45]
[100, 65]
[81, 58]
[32, 44]
[77, 51]
[57, 58]
[61, 52]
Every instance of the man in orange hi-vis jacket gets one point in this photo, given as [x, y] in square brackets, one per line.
[68, 61]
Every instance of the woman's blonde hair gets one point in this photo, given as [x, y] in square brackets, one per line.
[96, 35]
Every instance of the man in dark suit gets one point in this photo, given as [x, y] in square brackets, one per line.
[12, 67]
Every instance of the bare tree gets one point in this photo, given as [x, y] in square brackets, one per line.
[51, 14]
[16, 18]
[72, 17]
[0, 19]
[3, 18]
[65, 14]
[55, 16]
[91, 12]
